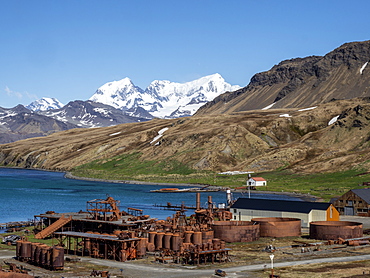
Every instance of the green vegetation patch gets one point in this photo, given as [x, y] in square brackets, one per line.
[132, 167]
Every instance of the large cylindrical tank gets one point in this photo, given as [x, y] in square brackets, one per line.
[33, 250]
[236, 231]
[175, 242]
[188, 236]
[159, 241]
[332, 230]
[26, 250]
[152, 237]
[197, 238]
[167, 240]
[141, 248]
[278, 226]
[19, 249]
[57, 258]
[207, 236]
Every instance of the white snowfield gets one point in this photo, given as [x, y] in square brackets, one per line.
[163, 98]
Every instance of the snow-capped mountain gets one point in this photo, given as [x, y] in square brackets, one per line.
[19, 123]
[90, 114]
[45, 104]
[163, 98]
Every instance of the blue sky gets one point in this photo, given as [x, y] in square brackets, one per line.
[68, 48]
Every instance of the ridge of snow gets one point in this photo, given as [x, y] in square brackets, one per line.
[163, 98]
[285, 115]
[363, 67]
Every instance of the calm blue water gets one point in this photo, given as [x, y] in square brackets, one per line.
[25, 193]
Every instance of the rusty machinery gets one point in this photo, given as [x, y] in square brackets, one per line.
[106, 210]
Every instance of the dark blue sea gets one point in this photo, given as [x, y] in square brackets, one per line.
[25, 193]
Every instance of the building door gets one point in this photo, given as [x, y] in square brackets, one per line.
[349, 211]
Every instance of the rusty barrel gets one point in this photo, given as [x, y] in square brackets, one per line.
[18, 249]
[44, 258]
[152, 237]
[207, 236]
[33, 250]
[167, 240]
[332, 230]
[197, 238]
[236, 231]
[141, 249]
[175, 242]
[278, 226]
[159, 241]
[26, 250]
[188, 236]
[57, 258]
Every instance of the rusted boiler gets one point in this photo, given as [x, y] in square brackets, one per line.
[236, 231]
[332, 230]
[278, 226]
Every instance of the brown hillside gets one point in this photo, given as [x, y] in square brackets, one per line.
[253, 140]
[302, 82]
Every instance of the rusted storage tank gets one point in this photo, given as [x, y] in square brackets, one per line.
[332, 230]
[33, 250]
[236, 231]
[197, 238]
[188, 236]
[152, 237]
[18, 249]
[141, 248]
[278, 226]
[26, 250]
[159, 241]
[167, 240]
[175, 242]
[207, 236]
[57, 258]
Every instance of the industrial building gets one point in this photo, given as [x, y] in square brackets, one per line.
[354, 202]
[245, 209]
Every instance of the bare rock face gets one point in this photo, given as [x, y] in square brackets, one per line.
[302, 82]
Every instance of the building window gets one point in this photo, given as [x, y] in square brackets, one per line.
[235, 211]
[349, 202]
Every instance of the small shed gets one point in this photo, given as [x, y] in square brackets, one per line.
[256, 181]
[354, 202]
[244, 209]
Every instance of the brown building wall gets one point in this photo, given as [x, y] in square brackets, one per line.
[351, 204]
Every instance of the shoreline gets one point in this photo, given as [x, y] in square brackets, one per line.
[303, 197]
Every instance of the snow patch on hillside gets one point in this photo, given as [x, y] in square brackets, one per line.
[160, 134]
[363, 67]
[268, 107]
[333, 120]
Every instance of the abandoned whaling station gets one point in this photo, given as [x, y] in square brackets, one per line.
[106, 232]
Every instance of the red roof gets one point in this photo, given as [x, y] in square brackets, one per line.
[258, 179]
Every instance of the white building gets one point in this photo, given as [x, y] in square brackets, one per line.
[256, 181]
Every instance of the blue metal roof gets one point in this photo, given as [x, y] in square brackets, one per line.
[279, 205]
